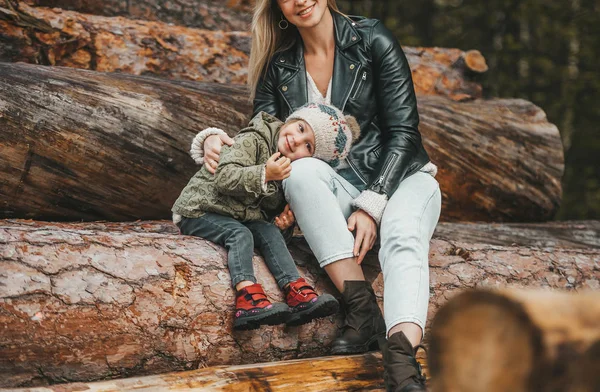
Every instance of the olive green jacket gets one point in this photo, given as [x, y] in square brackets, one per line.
[237, 189]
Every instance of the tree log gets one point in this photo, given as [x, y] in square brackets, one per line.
[517, 340]
[66, 38]
[203, 14]
[81, 145]
[343, 373]
[89, 301]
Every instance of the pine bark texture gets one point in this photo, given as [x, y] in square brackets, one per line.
[90, 301]
[83, 145]
[46, 36]
[516, 340]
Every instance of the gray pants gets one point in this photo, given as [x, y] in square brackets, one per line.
[240, 239]
[321, 200]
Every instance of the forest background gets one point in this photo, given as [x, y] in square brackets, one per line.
[544, 51]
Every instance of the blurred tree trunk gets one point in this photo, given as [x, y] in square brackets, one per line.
[569, 86]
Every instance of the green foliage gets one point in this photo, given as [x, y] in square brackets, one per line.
[545, 52]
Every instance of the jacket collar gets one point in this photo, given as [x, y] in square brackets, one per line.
[345, 31]
[293, 86]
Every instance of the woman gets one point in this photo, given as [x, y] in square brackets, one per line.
[306, 50]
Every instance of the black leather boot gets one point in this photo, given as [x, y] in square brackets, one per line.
[402, 372]
[364, 324]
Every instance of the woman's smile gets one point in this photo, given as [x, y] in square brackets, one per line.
[305, 13]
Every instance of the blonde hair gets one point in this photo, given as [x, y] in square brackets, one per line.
[268, 38]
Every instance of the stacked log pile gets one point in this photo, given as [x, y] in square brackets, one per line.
[97, 126]
[40, 35]
[87, 301]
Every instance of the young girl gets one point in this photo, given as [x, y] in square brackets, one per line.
[234, 207]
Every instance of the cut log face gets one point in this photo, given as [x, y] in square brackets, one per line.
[82, 145]
[515, 340]
[67, 38]
[203, 14]
[83, 302]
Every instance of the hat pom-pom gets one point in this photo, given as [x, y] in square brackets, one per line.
[354, 127]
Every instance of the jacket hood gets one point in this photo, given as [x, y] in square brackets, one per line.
[267, 126]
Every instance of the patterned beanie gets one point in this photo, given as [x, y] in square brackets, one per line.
[334, 132]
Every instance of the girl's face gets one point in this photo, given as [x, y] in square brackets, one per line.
[296, 140]
[303, 13]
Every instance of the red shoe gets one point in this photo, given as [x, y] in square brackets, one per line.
[306, 305]
[253, 309]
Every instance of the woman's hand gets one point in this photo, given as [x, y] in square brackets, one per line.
[366, 233]
[278, 167]
[286, 219]
[212, 150]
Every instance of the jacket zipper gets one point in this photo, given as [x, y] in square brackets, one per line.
[378, 184]
[355, 170]
[351, 88]
[362, 80]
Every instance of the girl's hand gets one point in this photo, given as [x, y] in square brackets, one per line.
[278, 168]
[366, 233]
[212, 150]
[286, 219]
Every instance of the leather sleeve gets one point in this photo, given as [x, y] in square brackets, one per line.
[265, 99]
[397, 110]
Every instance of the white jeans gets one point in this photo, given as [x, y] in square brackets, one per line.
[321, 200]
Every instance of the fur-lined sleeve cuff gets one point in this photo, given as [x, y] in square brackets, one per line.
[197, 149]
[372, 203]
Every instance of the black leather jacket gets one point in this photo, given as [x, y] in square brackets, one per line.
[371, 81]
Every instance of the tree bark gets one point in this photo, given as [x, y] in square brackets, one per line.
[81, 145]
[341, 373]
[66, 38]
[203, 14]
[516, 340]
[89, 301]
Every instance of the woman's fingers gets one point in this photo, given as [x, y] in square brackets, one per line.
[212, 152]
[226, 139]
[365, 235]
[211, 165]
[358, 240]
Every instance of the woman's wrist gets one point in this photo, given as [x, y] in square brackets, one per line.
[372, 203]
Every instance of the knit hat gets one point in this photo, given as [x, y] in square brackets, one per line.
[334, 132]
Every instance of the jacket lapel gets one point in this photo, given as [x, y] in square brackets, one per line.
[292, 89]
[345, 67]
